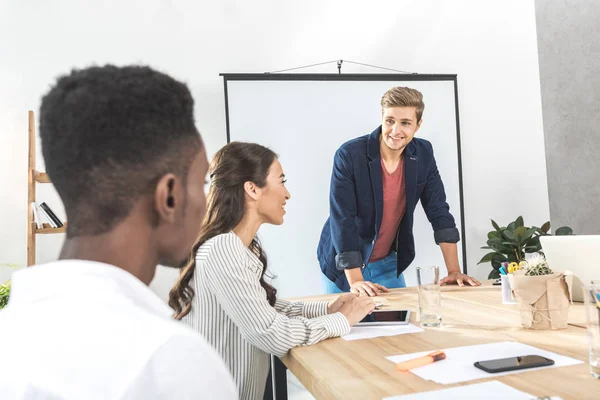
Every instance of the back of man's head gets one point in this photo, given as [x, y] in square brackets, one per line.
[108, 134]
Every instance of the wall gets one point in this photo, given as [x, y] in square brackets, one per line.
[491, 45]
[569, 49]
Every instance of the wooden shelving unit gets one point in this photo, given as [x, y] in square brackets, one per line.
[33, 178]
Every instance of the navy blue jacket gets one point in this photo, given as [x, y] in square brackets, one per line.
[356, 206]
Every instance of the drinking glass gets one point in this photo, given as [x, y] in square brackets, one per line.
[430, 306]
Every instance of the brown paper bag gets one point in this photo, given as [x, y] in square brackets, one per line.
[543, 300]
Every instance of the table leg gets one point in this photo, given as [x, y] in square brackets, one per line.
[279, 378]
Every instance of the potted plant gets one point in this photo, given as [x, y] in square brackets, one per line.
[543, 295]
[5, 288]
[511, 243]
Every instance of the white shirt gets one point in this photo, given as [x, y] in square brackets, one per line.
[83, 330]
[231, 311]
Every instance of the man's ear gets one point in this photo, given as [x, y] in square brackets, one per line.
[252, 190]
[168, 197]
[419, 124]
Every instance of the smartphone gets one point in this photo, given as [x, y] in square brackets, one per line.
[513, 363]
[386, 317]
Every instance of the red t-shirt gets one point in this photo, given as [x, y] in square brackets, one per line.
[394, 207]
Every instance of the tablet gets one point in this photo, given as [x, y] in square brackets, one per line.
[386, 317]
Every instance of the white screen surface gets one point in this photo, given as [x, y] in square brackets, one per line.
[305, 122]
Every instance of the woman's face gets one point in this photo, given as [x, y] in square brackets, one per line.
[274, 195]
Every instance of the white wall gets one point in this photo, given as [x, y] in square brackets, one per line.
[491, 45]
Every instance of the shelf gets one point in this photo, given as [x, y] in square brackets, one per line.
[41, 177]
[48, 230]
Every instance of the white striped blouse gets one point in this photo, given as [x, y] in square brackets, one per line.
[230, 309]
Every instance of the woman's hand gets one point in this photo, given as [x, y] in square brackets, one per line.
[335, 305]
[356, 308]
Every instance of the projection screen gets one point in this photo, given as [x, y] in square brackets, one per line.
[304, 118]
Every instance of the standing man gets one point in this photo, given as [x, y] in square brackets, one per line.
[377, 180]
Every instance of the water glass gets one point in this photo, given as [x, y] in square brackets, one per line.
[430, 306]
[592, 311]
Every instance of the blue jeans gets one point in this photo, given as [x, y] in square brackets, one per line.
[382, 272]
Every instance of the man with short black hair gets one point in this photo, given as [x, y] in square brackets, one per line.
[122, 150]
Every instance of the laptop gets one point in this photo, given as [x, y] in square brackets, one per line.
[579, 254]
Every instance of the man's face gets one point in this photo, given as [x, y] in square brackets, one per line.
[398, 127]
[181, 236]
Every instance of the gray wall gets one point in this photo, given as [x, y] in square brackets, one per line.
[569, 57]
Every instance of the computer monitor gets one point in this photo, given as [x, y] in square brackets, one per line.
[579, 254]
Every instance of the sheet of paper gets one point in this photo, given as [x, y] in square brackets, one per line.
[458, 365]
[369, 332]
[492, 390]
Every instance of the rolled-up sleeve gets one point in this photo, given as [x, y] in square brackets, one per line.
[348, 259]
[306, 309]
[446, 235]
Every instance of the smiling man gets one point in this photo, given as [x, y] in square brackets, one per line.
[376, 183]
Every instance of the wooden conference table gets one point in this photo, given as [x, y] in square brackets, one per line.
[340, 369]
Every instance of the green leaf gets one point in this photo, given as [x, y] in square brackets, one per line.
[487, 258]
[500, 248]
[563, 231]
[512, 257]
[494, 274]
[497, 260]
[509, 234]
[533, 244]
[495, 225]
[534, 240]
[493, 235]
[519, 222]
[486, 248]
[512, 226]
[520, 233]
[494, 247]
[500, 257]
[546, 227]
[4, 294]
[528, 234]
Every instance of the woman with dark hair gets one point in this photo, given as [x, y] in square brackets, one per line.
[222, 292]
